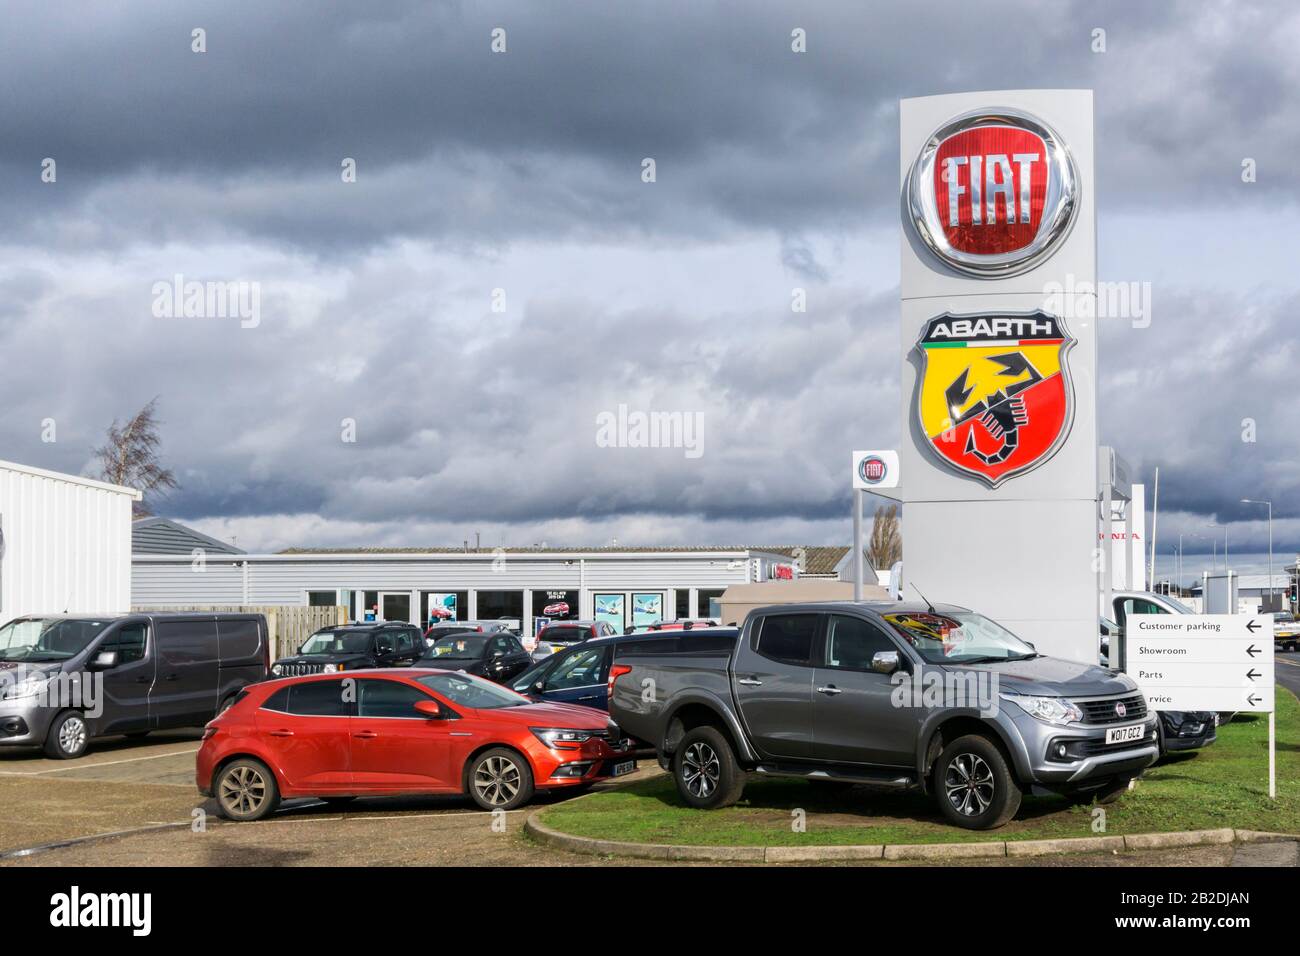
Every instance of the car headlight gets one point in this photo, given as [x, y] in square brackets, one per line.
[277, 670]
[329, 669]
[27, 687]
[1054, 710]
[551, 736]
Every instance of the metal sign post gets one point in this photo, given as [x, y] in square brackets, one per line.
[872, 470]
[1218, 662]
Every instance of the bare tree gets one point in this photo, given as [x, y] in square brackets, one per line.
[130, 456]
[886, 544]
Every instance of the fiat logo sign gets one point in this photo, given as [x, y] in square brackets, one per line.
[872, 470]
[1120, 709]
[992, 194]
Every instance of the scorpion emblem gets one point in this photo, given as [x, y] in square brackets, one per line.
[1003, 413]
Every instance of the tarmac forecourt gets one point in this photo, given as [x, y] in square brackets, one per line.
[1223, 788]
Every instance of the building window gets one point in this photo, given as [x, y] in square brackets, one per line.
[444, 606]
[683, 603]
[555, 605]
[322, 598]
[709, 602]
[494, 605]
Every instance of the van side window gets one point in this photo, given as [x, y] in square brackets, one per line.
[788, 638]
[128, 641]
[404, 642]
[851, 643]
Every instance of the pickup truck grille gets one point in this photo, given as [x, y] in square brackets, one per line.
[1103, 711]
[297, 670]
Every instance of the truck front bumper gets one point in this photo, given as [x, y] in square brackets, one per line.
[1076, 757]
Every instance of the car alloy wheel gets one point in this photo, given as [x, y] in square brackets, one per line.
[497, 780]
[700, 769]
[969, 784]
[243, 791]
[72, 734]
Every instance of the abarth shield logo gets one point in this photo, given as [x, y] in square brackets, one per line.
[994, 399]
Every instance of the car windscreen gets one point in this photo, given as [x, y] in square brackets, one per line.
[958, 637]
[458, 647]
[47, 639]
[1178, 605]
[337, 642]
[473, 692]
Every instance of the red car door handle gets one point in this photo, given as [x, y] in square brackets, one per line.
[282, 733]
[366, 734]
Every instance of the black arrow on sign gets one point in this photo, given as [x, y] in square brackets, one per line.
[1253, 650]
[1252, 625]
[1253, 700]
[1252, 675]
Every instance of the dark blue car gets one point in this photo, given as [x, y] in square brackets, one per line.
[579, 674]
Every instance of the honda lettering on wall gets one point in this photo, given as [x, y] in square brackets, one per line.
[994, 399]
[992, 194]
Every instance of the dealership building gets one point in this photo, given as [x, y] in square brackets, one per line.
[622, 585]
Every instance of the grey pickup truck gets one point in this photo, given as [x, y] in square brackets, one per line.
[900, 696]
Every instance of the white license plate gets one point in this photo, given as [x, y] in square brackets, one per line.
[626, 766]
[1123, 735]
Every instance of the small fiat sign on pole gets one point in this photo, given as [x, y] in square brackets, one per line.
[872, 470]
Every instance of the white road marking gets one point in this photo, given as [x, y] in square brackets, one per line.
[92, 766]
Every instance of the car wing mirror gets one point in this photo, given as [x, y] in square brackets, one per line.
[103, 661]
[428, 708]
[538, 688]
[885, 662]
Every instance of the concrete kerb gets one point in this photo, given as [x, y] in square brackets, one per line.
[918, 851]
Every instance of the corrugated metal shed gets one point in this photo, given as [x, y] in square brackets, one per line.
[66, 543]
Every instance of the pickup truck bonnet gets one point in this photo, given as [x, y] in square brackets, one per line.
[1053, 677]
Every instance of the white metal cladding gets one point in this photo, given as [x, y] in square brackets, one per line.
[283, 579]
[67, 543]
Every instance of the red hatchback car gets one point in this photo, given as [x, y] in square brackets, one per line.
[400, 731]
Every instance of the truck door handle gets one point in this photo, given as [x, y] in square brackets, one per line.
[143, 680]
[282, 733]
[830, 689]
[172, 677]
[750, 682]
[366, 735]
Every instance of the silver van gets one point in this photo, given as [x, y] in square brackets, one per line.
[70, 678]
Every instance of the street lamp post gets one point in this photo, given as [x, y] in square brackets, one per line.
[1252, 501]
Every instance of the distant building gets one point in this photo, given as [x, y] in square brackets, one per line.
[164, 536]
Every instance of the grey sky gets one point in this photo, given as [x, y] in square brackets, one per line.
[521, 172]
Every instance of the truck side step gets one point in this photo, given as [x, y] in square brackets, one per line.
[884, 779]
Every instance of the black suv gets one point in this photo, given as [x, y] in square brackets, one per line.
[350, 647]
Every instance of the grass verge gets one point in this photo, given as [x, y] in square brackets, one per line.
[1224, 785]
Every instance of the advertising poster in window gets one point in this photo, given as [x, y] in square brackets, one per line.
[610, 608]
[556, 605]
[442, 607]
[647, 609]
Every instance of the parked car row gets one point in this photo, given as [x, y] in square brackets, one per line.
[799, 690]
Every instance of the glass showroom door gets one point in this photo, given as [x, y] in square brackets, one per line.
[395, 605]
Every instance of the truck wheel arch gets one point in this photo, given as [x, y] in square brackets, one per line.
[693, 712]
[950, 726]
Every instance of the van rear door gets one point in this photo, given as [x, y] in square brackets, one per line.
[242, 649]
[185, 691]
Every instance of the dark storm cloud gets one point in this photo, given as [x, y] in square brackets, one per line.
[226, 164]
[456, 142]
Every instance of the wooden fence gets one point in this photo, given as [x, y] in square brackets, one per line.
[288, 624]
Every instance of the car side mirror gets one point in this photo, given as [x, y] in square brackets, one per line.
[300, 647]
[538, 688]
[885, 662]
[429, 708]
[103, 661]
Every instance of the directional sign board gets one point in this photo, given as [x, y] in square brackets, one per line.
[1220, 662]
